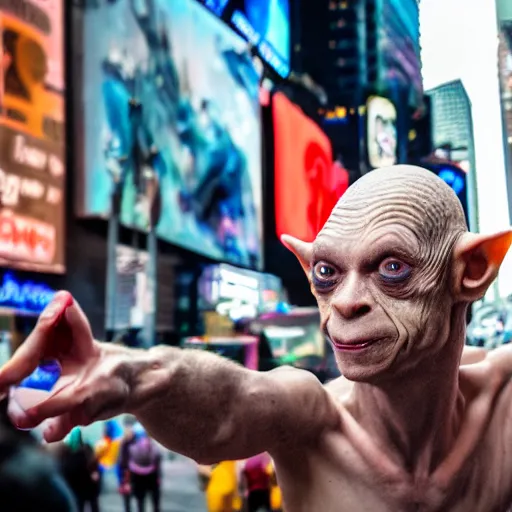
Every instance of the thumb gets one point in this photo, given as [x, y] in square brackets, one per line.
[29, 354]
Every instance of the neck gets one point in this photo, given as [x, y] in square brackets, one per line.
[416, 416]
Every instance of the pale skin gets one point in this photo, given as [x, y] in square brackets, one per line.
[415, 425]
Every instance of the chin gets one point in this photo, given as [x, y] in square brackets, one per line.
[365, 374]
[369, 366]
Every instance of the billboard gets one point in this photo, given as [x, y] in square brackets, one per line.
[266, 25]
[307, 181]
[32, 140]
[505, 68]
[400, 45]
[197, 132]
[216, 6]
[133, 297]
[381, 137]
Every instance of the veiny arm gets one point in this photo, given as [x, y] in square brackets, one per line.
[195, 403]
[211, 409]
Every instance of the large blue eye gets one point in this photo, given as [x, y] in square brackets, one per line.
[394, 270]
[324, 275]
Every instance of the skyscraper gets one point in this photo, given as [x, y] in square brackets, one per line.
[452, 132]
[504, 10]
[351, 46]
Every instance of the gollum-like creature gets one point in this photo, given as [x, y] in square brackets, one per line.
[394, 270]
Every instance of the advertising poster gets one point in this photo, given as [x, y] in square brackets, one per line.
[197, 132]
[381, 132]
[134, 290]
[266, 25]
[32, 145]
[505, 67]
[307, 181]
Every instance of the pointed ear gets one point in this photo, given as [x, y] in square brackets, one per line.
[477, 260]
[302, 250]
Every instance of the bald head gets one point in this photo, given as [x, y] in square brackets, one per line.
[410, 195]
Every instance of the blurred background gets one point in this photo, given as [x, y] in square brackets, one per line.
[152, 152]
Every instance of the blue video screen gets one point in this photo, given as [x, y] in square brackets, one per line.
[188, 160]
[266, 25]
[216, 6]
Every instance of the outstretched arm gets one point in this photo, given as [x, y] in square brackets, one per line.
[211, 409]
[193, 402]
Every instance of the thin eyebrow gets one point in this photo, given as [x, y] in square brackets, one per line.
[323, 254]
[380, 253]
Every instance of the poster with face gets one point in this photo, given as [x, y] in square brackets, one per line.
[381, 132]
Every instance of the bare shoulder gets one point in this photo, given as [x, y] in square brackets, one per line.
[472, 355]
[302, 408]
[339, 388]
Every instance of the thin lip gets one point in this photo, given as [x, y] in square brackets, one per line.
[359, 344]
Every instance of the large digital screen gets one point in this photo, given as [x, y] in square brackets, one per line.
[133, 290]
[401, 51]
[216, 6]
[32, 145]
[381, 132]
[195, 142]
[505, 66]
[456, 178]
[307, 181]
[266, 25]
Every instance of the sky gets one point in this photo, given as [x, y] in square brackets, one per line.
[459, 40]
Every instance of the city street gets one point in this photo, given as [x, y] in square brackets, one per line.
[180, 490]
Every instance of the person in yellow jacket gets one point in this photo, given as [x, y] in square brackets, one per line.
[276, 498]
[221, 487]
[107, 448]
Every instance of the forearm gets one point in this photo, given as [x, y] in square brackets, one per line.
[194, 402]
[211, 409]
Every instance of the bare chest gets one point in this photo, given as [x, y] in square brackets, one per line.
[339, 479]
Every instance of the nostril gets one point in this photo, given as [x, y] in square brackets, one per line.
[362, 310]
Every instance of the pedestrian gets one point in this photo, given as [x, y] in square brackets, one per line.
[257, 483]
[123, 467]
[81, 471]
[145, 466]
[221, 486]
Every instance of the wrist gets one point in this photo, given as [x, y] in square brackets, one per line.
[147, 376]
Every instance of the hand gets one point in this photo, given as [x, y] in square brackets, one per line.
[93, 384]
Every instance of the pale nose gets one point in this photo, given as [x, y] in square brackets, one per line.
[351, 299]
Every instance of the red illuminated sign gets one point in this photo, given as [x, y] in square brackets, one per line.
[307, 181]
[26, 239]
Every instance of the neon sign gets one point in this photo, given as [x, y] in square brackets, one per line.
[24, 295]
[455, 180]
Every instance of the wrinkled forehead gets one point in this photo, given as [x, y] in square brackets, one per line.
[365, 231]
[415, 212]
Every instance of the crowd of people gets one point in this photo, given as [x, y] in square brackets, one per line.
[69, 476]
[242, 486]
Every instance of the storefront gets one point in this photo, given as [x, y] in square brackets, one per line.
[295, 338]
[21, 301]
[227, 299]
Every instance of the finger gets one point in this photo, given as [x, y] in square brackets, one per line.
[28, 356]
[57, 404]
[80, 329]
[58, 428]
